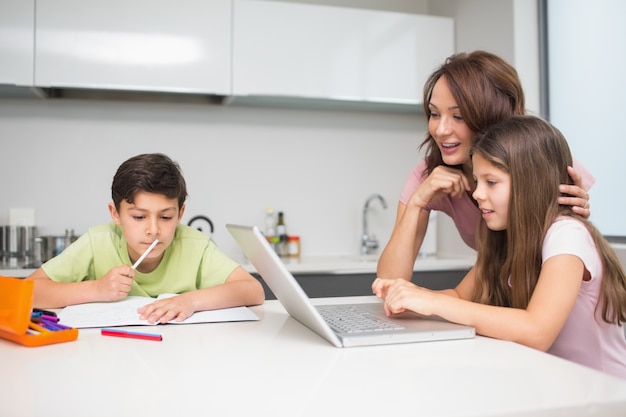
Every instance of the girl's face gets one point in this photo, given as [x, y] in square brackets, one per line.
[493, 191]
[152, 216]
[446, 125]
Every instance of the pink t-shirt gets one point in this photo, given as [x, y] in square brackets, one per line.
[585, 338]
[462, 209]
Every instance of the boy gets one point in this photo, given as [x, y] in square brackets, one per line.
[149, 194]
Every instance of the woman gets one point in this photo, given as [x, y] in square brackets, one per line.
[462, 98]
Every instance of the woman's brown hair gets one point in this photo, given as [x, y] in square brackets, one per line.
[486, 88]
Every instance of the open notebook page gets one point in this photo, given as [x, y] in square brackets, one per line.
[124, 313]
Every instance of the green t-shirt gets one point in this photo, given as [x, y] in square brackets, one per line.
[192, 261]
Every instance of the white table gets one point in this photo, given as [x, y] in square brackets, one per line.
[277, 367]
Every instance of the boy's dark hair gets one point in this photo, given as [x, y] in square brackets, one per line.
[151, 172]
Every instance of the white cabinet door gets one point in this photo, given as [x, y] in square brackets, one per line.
[151, 45]
[287, 49]
[17, 30]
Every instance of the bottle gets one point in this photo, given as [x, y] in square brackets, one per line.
[293, 246]
[281, 232]
[270, 223]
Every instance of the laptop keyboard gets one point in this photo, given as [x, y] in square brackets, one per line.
[351, 319]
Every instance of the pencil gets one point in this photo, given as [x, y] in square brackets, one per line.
[143, 256]
[131, 335]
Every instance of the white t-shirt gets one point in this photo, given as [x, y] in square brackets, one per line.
[585, 338]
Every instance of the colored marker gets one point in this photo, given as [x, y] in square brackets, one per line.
[49, 318]
[49, 325]
[37, 327]
[37, 323]
[131, 335]
[52, 325]
[42, 311]
[62, 326]
[143, 256]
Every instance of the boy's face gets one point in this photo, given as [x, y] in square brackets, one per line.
[152, 216]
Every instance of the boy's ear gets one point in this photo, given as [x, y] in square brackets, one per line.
[181, 212]
[114, 214]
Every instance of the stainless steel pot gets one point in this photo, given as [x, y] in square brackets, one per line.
[51, 246]
[17, 241]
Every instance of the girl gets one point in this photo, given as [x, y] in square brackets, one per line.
[544, 275]
[462, 98]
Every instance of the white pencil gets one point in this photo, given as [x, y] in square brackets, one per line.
[142, 257]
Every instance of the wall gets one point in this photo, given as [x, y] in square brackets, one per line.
[317, 166]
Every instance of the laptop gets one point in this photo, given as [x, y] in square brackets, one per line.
[330, 321]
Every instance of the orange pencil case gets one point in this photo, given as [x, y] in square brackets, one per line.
[16, 300]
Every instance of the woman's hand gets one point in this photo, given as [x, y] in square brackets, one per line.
[577, 197]
[441, 181]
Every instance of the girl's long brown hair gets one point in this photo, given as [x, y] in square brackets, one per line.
[536, 156]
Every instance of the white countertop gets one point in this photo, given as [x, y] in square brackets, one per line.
[327, 265]
[278, 367]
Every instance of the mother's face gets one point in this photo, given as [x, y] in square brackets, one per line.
[446, 125]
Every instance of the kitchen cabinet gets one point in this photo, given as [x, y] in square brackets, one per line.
[317, 285]
[142, 45]
[17, 19]
[326, 52]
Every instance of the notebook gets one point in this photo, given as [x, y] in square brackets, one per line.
[406, 328]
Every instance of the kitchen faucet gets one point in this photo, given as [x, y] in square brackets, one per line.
[369, 243]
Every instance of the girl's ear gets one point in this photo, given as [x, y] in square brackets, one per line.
[114, 214]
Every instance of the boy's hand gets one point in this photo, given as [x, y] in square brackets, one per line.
[167, 309]
[115, 284]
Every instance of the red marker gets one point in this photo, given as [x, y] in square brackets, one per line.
[131, 335]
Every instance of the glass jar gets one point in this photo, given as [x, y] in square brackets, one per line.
[293, 246]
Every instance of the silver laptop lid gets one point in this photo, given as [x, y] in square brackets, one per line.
[280, 280]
